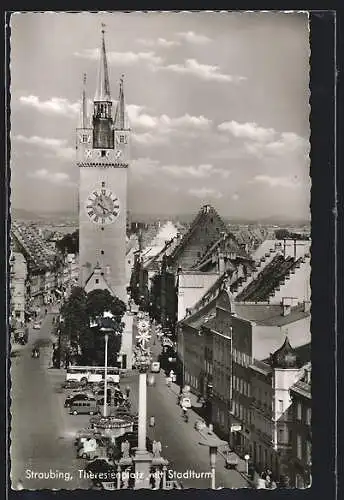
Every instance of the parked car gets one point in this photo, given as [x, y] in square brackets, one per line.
[101, 466]
[155, 367]
[76, 397]
[84, 407]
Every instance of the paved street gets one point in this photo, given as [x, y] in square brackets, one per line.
[180, 440]
[42, 439]
[42, 430]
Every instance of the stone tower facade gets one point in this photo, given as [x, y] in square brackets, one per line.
[102, 148]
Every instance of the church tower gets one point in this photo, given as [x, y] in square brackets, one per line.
[102, 149]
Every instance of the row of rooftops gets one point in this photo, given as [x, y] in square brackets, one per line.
[38, 254]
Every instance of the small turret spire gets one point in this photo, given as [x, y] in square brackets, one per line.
[121, 122]
[83, 111]
[103, 93]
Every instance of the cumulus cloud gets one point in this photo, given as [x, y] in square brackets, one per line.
[271, 181]
[248, 130]
[192, 37]
[53, 106]
[143, 167]
[122, 58]
[160, 42]
[203, 71]
[53, 177]
[58, 147]
[205, 192]
[149, 139]
[199, 171]
[262, 142]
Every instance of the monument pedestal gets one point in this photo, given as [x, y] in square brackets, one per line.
[143, 461]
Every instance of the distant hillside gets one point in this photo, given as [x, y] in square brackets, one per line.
[22, 214]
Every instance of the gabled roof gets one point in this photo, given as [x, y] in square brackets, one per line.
[102, 284]
[228, 244]
[206, 212]
[265, 284]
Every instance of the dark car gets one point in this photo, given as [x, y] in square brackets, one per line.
[101, 466]
[76, 397]
[132, 438]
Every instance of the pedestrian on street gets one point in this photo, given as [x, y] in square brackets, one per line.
[127, 391]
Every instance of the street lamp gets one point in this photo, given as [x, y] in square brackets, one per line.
[247, 458]
[213, 442]
[106, 331]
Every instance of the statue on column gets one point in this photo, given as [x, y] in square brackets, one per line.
[125, 448]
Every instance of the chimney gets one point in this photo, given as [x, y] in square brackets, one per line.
[221, 262]
[307, 306]
[286, 306]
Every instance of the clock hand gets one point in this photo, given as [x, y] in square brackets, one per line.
[104, 209]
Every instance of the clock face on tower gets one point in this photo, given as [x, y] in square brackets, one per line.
[102, 206]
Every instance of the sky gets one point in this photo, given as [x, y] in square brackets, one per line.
[218, 104]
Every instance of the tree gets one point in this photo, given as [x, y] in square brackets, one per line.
[69, 243]
[100, 301]
[75, 319]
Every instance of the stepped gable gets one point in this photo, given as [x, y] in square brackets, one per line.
[205, 230]
[268, 280]
[228, 244]
[38, 255]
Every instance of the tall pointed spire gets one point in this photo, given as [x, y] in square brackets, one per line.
[121, 121]
[103, 88]
[83, 110]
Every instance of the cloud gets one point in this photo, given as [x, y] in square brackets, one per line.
[122, 58]
[262, 142]
[53, 106]
[160, 42]
[142, 167]
[248, 130]
[58, 147]
[205, 193]
[192, 37]
[202, 71]
[286, 143]
[198, 172]
[53, 177]
[164, 122]
[271, 181]
[149, 139]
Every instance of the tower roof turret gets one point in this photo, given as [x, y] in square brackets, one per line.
[83, 123]
[121, 119]
[284, 357]
[103, 87]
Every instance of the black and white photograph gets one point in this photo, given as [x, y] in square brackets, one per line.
[160, 250]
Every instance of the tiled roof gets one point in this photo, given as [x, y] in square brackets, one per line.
[200, 317]
[202, 214]
[230, 246]
[303, 388]
[194, 279]
[260, 289]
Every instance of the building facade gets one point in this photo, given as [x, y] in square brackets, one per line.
[103, 158]
[18, 276]
[300, 464]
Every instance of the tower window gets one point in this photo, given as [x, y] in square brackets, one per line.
[102, 252]
[103, 184]
[102, 229]
[102, 274]
[103, 153]
[122, 139]
[97, 281]
[84, 138]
